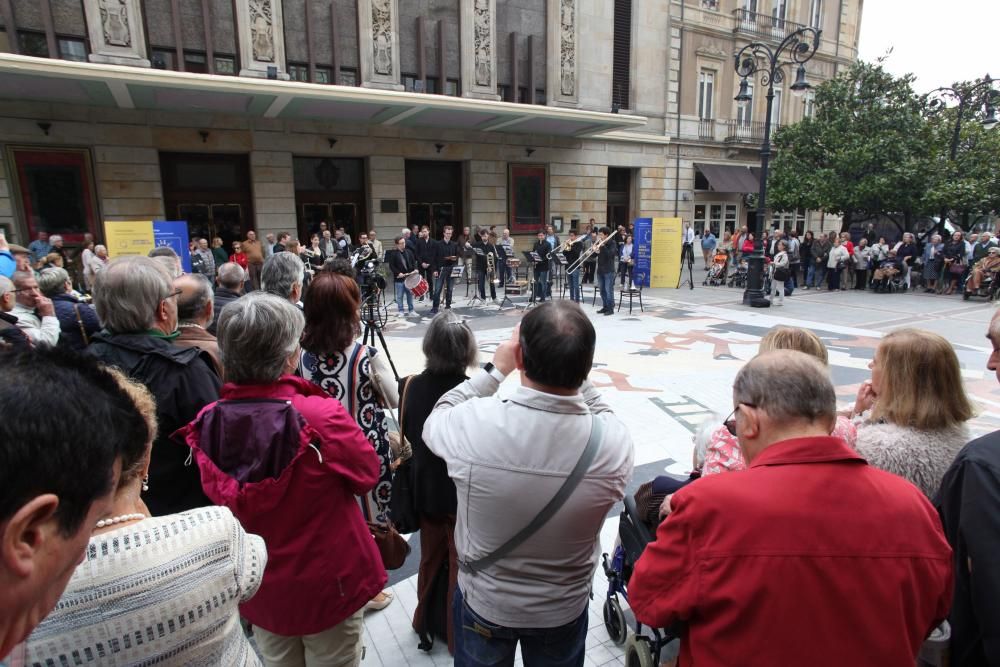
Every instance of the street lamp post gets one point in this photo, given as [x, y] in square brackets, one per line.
[759, 58]
[983, 96]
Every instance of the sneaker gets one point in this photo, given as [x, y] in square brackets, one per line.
[411, 314]
[609, 312]
[434, 311]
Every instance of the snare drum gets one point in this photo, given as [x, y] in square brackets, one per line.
[416, 284]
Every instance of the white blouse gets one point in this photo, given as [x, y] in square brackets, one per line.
[163, 590]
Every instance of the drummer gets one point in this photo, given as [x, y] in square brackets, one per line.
[402, 264]
[445, 259]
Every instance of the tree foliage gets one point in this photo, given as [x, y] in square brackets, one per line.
[874, 148]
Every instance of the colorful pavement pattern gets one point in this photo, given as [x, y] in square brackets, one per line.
[664, 371]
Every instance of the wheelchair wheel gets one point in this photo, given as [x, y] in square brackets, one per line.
[966, 294]
[614, 621]
[638, 652]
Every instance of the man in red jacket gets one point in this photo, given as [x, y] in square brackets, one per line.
[809, 557]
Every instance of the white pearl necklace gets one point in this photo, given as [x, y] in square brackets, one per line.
[104, 523]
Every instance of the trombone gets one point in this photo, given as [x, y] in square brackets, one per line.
[575, 266]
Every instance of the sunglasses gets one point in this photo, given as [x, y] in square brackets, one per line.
[730, 422]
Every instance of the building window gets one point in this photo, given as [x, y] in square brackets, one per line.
[744, 112]
[323, 74]
[791, 220]
[195, 62]
[225, 65]
[816, 14]
[778, 12]
[409, 82]
[717, 217]
[522, 95]
[710, 4]
[809, 105]
[706, 90]
[503, 90]
[432, 86]
[71, 48]
[540, 96]
[528, 196]
[621, 59]
[162, 59]
[298, 72]
[348, 76]
[776, 110]
[451, 87]
[33, 44]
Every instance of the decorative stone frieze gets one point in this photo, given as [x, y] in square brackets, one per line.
[115, 31]
[479, 55]
[378, 32]
[262, 38]
[563, 84]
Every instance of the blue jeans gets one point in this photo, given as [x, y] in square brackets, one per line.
[607, 283]
[574, 286]
[479, 643]
[541, 280]
[815, 274]
[400, 291]
[444, 278]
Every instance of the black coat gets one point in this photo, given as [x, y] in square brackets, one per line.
[434, 492]
[67, 307]
[11, 335]
[425, 253]
[183, 382]
[606, 257]
[400, 262]
[442, 250]
[223, 297]
[542, 249]
[969, 504]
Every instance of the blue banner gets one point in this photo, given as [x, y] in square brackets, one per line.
[174, 234]
[643, 240]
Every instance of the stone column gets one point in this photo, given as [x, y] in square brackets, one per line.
[115, 31]
[478, 26]
[378, 41]
[563, 72]
[262, 38]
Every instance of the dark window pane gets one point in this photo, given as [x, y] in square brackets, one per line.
[451, 87]
[195, 62]
[163, 59]
[34, 44]
[225, 65]
[323, 75]
[432, 85]
[57, 198]
[298, 72]
[348, 76]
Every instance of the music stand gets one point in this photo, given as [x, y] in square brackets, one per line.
[475, 295]
[530, 257]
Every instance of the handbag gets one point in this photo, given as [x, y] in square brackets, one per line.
[397, 442]
[550, 509]
[781, 274]
[402, 507]
[83, 329]
[956, 268]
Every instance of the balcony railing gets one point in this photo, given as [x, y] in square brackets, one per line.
[706, 128]
[763, 25]
[740, 132]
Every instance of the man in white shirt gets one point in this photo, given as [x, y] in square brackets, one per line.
[687, 239]
[509, 458]
[35, 314]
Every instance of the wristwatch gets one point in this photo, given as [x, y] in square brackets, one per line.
[494, 372]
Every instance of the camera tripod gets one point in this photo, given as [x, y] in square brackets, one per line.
[373, 324]
[687, 260]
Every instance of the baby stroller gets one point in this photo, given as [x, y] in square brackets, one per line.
[642, 650]
[717, 271]
[738, 278]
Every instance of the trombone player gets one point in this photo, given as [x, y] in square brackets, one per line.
[572, 249]
[607, 251]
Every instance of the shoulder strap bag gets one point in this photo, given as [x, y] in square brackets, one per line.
[83, 329]
[402, 505]
[550, 509]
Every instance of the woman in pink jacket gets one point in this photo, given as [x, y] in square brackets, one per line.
[289, 461]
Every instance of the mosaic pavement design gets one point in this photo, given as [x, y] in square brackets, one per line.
[664, 370]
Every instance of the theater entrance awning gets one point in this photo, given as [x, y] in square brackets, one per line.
[729, 177]
[51, 81]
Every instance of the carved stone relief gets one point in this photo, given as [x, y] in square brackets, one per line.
[262, 30]
[567, 47]
[382, 37]
[483, 44]
[115, 23]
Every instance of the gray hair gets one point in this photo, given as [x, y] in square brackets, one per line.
[99, 247]
[128, 292]
[172, 265]
[449, 345]
[190, 306]
[231, 275]
[703, 437]
[257, 334]
[281, 272]
[52, 281]
[6, 285]
[788, 385]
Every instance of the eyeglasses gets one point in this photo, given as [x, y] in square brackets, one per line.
[172, 294]
[25, 289]
[730, 422]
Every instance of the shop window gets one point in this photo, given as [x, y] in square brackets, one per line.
[717, 217]
[71, 48]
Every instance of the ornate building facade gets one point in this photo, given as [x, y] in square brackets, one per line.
[275, 115]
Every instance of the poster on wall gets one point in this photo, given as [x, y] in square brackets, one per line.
[129, 238]
[643, 251]
[665, 257]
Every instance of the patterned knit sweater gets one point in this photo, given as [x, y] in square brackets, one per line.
[164, 590]
[922, 457]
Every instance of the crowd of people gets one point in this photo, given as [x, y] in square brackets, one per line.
[216, 445]
[862, 260]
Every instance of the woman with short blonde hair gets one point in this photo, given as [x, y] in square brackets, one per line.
[794, 338]
[912, 414]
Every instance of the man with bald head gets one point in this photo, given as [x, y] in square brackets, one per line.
[195, 312]
[808, 557]
[969, 503]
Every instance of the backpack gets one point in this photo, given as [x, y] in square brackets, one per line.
[435, 606]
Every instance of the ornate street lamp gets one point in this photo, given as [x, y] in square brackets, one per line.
[759, 58]
[978, 98]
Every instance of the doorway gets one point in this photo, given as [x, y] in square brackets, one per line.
[209, 191]
[330, 190]
[619, 196]
[434, 195]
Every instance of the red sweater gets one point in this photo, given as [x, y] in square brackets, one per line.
[809, 557]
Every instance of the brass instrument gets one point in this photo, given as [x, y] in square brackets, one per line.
[594, 249]
[491, 268]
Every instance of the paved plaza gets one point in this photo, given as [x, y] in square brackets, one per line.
[666, 369]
